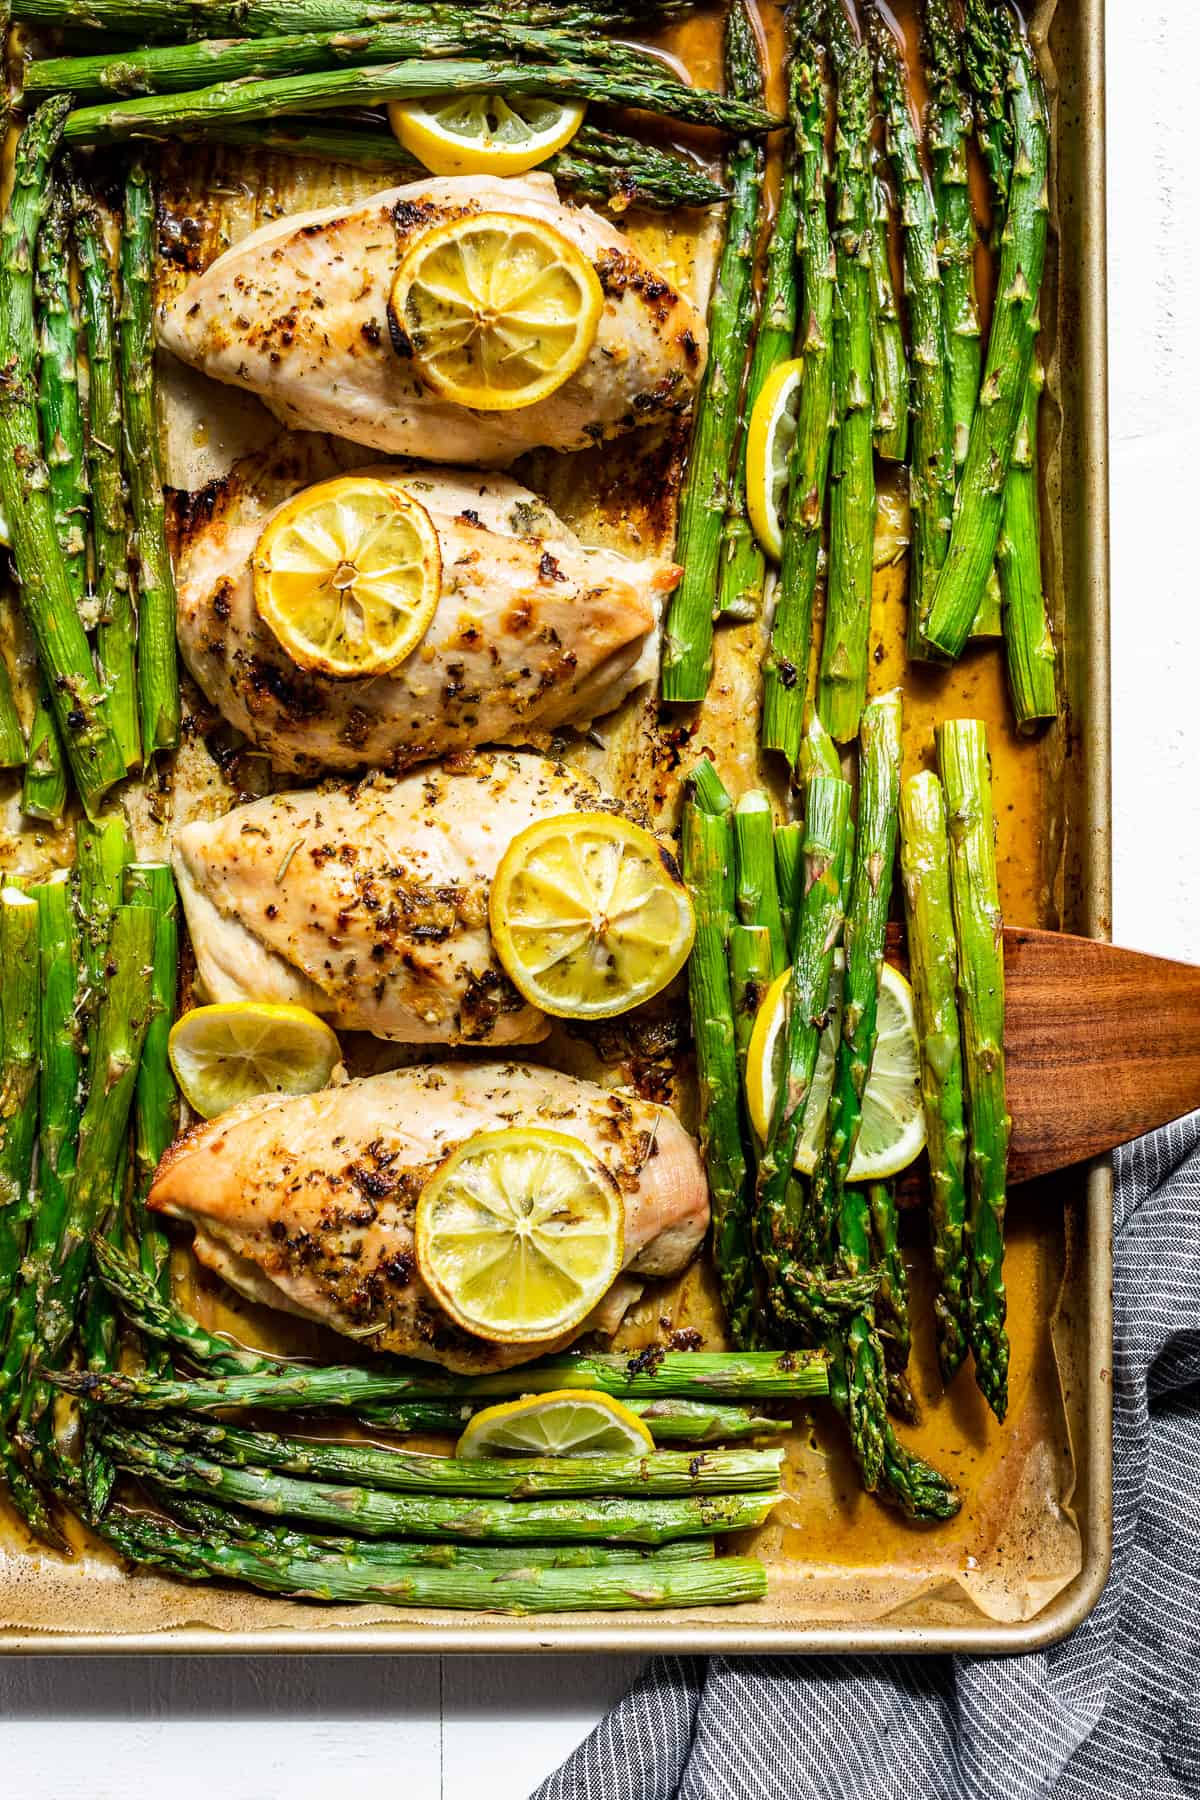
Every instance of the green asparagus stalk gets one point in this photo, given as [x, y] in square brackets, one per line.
[750, 973]
[44, 791]
[789, 863]
[536, 1588]
[931, 483]
[756, 892]
[891, 1300]
[950, 128]
[698, 1422]
[660, 1473]
[12, 738]
[781, 1229]
[60, 408]
[687, 648]
[116, 628]
[963, 758]
[657, 1374]
[333, 90]
[46, 592]
[889, 359]
[156, 1111]
[785, 671]
[842, 683]
[989, 620]
[369, 1512]
[743, 565]
[1028, 641]
[146, 20]
[708, 871]
[985, 54]
[933, 964]
[223, 1523]
[19, 1059]
[421, 32]
[158, 674]
[708, 790]
[980, 507]
[819, 755]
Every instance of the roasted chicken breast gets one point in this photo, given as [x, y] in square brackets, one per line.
[532, 630]
[369, 903]
[298, 313]
[307, 1204]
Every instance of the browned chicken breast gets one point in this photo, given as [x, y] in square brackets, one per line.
[298, 313]
[308, 1204]
[532, 630]
[369, 904]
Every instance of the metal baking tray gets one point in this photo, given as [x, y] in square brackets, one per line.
[1075, 882]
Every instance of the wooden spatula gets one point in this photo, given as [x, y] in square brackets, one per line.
[1102, 1045]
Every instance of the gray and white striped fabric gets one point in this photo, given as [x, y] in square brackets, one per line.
[1112, 1713]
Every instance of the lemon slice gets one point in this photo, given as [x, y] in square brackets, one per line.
[484, 134]
[569, 1422]
[236, 1051]
[348, 575]
[520, 1234]
[768, 446]
[589, 915]
[498, 310]
[892, 1133]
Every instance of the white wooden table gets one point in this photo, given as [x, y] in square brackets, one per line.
[360, 1729]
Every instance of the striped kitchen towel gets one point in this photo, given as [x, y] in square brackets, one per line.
[1111, 1714]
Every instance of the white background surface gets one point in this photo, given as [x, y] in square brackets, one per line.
[359, 1729]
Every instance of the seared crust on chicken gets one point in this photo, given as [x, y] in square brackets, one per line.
[308, 1204]
[532, 630]
[298, 313]
[369, 904]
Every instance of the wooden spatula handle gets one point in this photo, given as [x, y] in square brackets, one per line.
[1102, 1045]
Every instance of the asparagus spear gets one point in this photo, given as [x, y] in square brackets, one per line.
[750, 974]
[985, 45]
[743, 566]
[932, 479]
[369, 1512]
[697, 1422]
[708, 790]
[116, 628]
[157, 1101]
[842, 684]
[708, 871]
[979, 511]
[12, 738]
[950, 127]
[889, 359]
[635, 1587]
[785, 671]
[989, 620]
[143, 20]
[789, 862]
[158, 674]
[663, 1472]
[687, 648]
[47, 596]
[891, 1299]
[756, 891]
[963, 757]
[933, 964]
[19, 1030]
[1028, 641]
[44, 791]
[654, 1374]
[424, 32]
[159, 115]
[781, 1233]
[60, 408]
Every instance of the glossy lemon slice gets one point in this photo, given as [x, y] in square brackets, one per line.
[520, 1234]
[236, 1051]
[892, 1133]
[589, 915]
[348, 576]
[769, 438]
[565, 1423]
[498, 310]
[484, 134]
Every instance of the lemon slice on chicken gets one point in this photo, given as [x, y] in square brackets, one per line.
[238, 1050]
[565, 1423]
[497, 310]
[484, 134]
[519, 1234]
[892, 1133]
[348, 576]
[589, 915]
